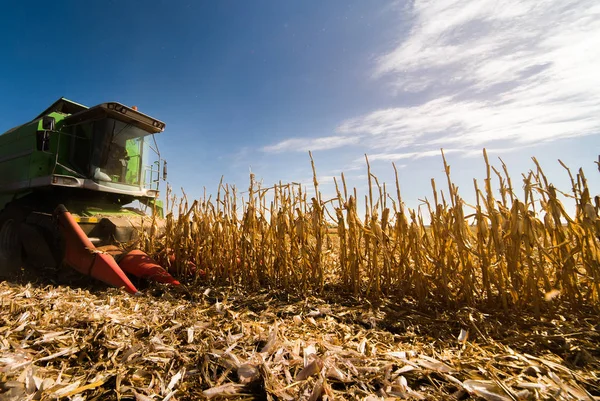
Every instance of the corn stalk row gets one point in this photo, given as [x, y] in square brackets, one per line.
[515, 247]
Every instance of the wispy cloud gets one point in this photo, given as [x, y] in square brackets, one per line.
[407, 155]
[498, 74]
[466, 152]
[516, 71]
[306, 144]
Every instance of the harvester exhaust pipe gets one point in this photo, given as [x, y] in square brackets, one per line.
[84, 257]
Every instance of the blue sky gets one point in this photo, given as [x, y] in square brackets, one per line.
[254, 85]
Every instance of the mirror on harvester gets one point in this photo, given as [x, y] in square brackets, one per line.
[164, 170]
[48, 123]
[43, 135]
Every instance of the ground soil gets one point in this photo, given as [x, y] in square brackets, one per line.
[84, 341]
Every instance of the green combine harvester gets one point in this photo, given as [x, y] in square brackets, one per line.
[66, 178]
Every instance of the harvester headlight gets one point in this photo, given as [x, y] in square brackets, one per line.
[152, 193]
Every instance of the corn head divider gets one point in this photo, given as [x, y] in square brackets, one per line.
[68, 179]
[83, 256]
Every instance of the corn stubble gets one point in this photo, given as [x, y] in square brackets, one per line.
[520, 249]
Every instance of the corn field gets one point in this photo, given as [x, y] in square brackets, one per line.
[515, 247]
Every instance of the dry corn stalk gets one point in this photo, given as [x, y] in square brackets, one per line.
[511, 250]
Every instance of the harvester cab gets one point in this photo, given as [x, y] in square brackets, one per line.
[66, 178]
[112, 146]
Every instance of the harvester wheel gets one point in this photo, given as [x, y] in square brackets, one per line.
[10, 243]
[36, 252]
[11, 249]
[27, 242]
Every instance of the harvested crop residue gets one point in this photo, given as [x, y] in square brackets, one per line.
[59, 342]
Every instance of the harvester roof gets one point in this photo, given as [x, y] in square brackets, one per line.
[119, 112]
[79, 113]
[64, 106]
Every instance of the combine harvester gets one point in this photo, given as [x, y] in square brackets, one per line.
[65, 180]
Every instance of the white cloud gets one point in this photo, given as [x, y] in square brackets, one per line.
[495, 74]
[306, 144]
[466, 152]
[513, 71]
[408, 155]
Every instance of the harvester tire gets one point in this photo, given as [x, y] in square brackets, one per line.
[11, 249]
[9, 239]
[36, 252]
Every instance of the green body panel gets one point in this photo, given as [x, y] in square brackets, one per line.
[19, 160]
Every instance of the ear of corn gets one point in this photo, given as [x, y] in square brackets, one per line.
[510, 251]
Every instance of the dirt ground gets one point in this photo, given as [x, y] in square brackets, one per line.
[96, 343]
